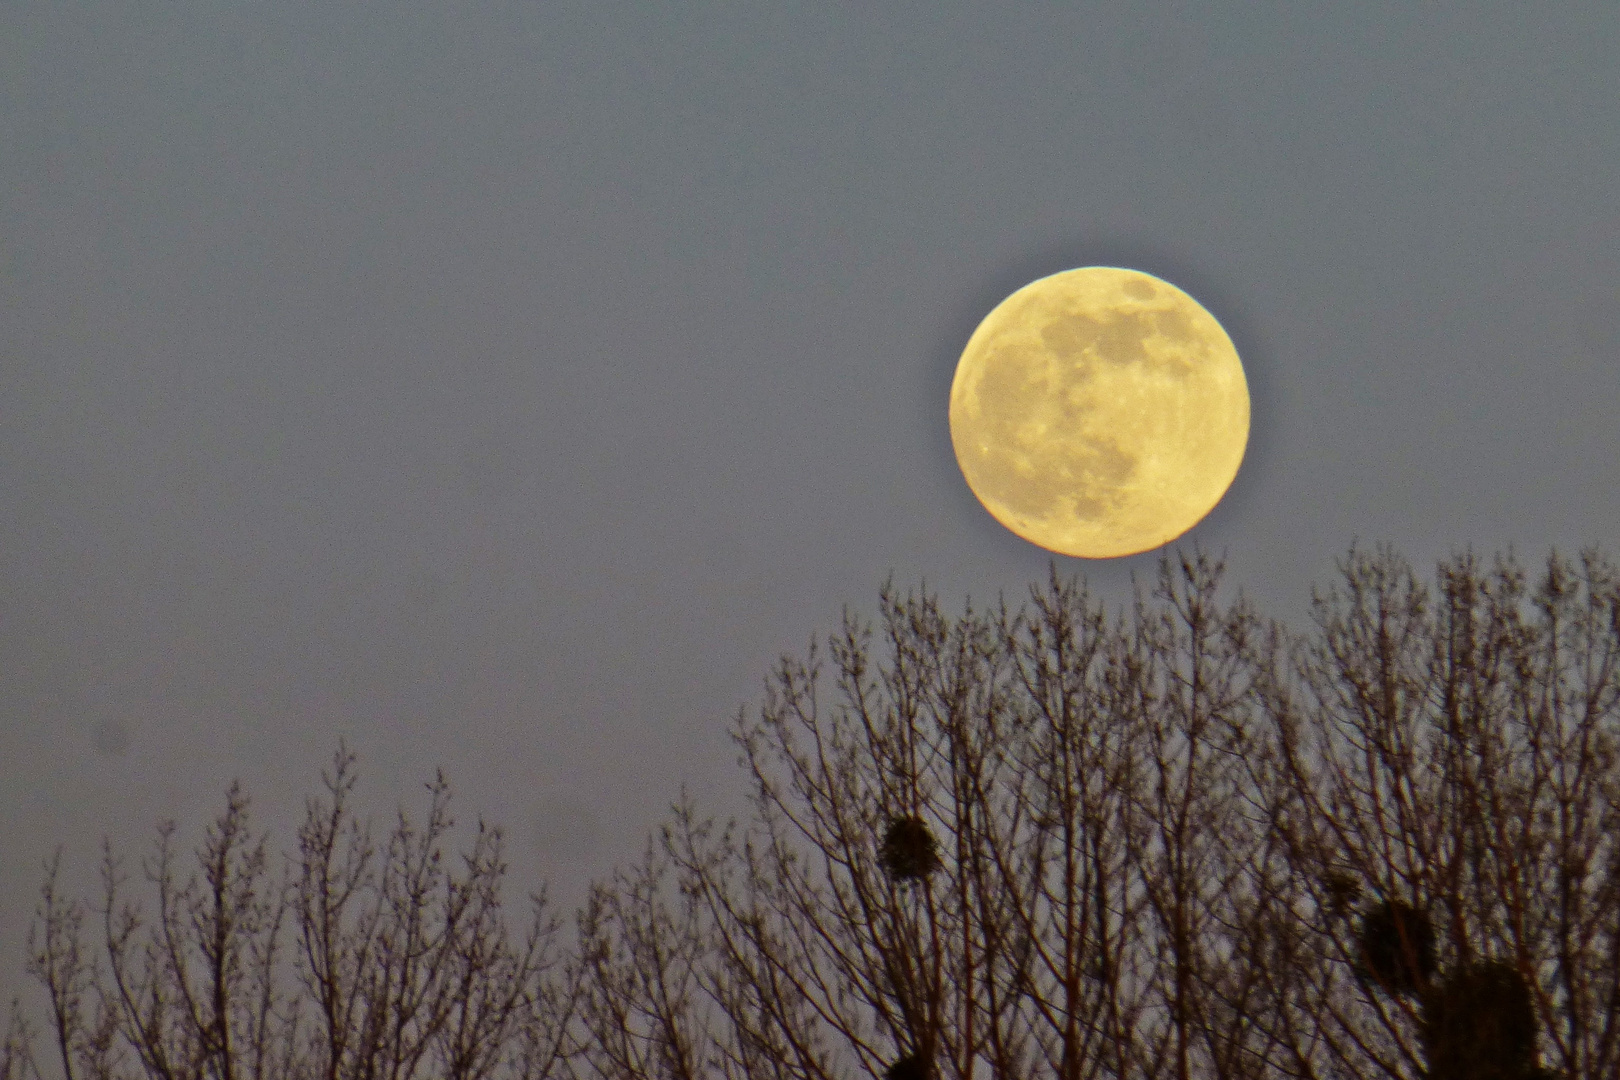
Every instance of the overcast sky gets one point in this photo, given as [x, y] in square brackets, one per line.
[504, 386]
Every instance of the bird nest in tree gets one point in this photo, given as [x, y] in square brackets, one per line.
[1395, 947]
[909, 852]
[910, 1067]
[1480, 1024]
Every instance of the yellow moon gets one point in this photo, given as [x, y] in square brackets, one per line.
[1099, 412]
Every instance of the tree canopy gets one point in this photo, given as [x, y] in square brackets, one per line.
[1177, 841]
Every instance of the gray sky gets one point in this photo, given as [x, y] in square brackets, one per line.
[503, 387]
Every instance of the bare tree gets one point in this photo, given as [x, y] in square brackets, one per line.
[1173, 843]
[1005, 844]
[641, 1003]
[1450, 798]
[1178, 844]
[359, 961]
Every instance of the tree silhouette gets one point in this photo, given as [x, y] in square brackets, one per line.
[1173, 842]
[1156, 831]
[1089, 908]
[359, 962]
[1457, 745]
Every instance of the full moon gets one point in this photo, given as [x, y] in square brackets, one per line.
[1099, 412]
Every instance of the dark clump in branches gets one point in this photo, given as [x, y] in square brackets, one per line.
[1396, 944]
[910, 1067]
[1342, 890]
[910, 852]
[1480, 1024]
